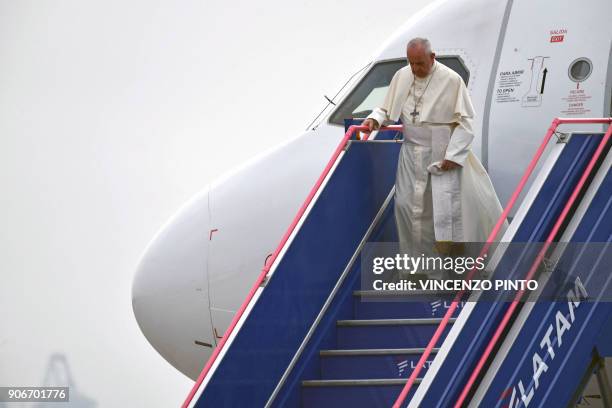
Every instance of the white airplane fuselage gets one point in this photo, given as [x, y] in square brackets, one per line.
[526, 62]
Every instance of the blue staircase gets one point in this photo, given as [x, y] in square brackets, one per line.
[314, 338]
[508, 379]
[320, 260]
[577, 330]
[375, 352]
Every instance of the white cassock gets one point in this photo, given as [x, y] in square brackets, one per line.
[431, 205]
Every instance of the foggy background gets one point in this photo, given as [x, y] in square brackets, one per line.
[112, 115]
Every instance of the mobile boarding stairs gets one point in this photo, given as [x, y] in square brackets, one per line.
[306, 337]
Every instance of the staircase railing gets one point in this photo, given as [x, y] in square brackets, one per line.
[276, 256]
[491, 239]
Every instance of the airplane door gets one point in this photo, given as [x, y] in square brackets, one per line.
[554, 63]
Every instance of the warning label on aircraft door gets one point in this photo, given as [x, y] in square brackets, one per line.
[508, 84]
[537, 82]
[511, 82]
[576, 103]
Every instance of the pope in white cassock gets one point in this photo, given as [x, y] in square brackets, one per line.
[443, 194]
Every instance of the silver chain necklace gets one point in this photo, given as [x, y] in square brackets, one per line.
[414, 113]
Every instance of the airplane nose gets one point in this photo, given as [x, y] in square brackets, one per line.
[170, 289]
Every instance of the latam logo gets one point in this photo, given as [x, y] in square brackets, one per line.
[438, 305]
[549, 347]
[435, 306]
[403, 365]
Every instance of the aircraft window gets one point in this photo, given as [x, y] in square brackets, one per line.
[580, 69]
[371, 91]
[457, 65]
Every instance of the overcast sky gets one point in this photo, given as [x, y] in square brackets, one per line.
[112, 115]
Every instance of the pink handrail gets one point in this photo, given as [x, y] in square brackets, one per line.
[272, 259]
[491, 238]
[534, 267]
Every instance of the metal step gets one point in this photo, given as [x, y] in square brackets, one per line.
[385, 333]
[371, 363]
[377, 382]
[373, 352]
[351, 393]
[389, 322]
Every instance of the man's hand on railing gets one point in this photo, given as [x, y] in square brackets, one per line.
[371, 125]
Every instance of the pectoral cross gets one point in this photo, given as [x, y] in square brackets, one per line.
[414, 114]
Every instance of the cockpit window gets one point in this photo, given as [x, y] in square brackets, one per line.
[370, 92]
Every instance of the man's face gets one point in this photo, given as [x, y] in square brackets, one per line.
[420, 61]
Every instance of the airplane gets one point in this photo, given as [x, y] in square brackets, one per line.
[524, 63]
